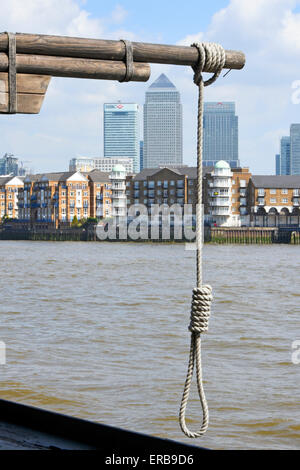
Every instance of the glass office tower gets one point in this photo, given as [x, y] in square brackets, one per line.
[295, 149]
[121, 132]
[162, 124]
[220, 134]
[285, 155]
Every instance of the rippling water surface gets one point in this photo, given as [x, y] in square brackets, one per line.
[99, 331]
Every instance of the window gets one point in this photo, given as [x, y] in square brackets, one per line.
[284, 200]
[273, 200]
[261, 192]
[272, 191]
[284, 191]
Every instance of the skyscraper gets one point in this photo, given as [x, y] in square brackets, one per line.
[285, 155]
[141, 155]
[9, 165]
[220, 134]
[162, 124]
[121, 132]
[277, 164]
[295, 149]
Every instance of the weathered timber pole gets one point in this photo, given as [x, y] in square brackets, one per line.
[74, 67]
[112, 50]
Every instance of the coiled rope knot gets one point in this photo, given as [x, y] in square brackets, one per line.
[211, 58]
[200, 310]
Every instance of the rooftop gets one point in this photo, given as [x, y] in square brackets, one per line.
[189, 171]
[276, 181]
[162, 82]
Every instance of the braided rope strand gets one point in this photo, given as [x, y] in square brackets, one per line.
[212, 56]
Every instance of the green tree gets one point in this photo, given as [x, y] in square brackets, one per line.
[75, 221]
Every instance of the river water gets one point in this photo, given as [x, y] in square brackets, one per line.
[99, 331]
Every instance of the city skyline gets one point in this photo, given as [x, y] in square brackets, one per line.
[265, 91]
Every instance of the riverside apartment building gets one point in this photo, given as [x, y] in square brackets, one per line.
[9, 191]
[224, 191]
[56, 198]
[274, 200]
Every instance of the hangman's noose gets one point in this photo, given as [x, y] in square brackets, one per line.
[211, 56]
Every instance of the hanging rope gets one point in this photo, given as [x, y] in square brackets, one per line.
[211, 56]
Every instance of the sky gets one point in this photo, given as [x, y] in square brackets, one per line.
[70, 124]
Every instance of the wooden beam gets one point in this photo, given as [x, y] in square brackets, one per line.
[31, 91]
[75, 67]
[113, 50]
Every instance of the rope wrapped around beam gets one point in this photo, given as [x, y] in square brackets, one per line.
[12, 71]
[128, 60]
[211, 56]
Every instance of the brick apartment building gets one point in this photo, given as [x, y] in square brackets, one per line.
[9, 188]
[224, 195]
[274, 200]
[56, 198]
[232, 197]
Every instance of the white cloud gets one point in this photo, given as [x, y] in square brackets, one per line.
[119, 14]
[268, 31]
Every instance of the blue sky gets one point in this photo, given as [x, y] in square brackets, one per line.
[166, 20]
[71, 121]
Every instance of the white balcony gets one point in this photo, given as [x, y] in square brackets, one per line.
[222, 202]
[221, 184]
[117, 203]
[219, 211]
[121, 186]
[118, 195]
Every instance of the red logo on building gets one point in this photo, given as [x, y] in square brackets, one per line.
[120, 106]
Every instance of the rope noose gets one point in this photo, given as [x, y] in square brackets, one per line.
[211, 56]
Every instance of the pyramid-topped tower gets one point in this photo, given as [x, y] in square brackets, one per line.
[162, 82]
[162, 124]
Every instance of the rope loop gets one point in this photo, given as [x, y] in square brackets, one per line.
[211, 56]
[128, 60]
[200, 310]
